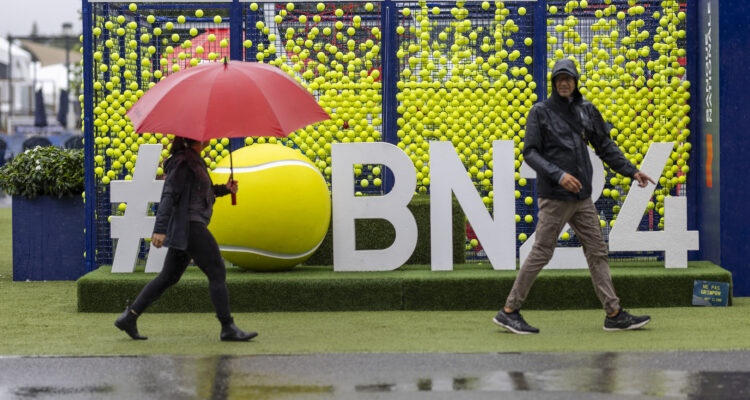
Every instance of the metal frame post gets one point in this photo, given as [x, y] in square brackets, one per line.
[540, 48]
[696, 119]
[235, 31]
[390, 78]
[88, 135]
[11, 100]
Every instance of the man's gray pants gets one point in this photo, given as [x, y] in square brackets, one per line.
[552, 217]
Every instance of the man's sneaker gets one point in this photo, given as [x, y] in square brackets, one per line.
[624, 321]
[513, 322]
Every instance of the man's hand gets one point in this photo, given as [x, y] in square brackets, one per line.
[232, 185]
[643, 179]
[157, 239]
[570, 183]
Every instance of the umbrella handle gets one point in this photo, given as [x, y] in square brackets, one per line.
[231, 163]
[234, 195]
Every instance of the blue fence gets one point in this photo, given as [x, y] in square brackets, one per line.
[405, 73]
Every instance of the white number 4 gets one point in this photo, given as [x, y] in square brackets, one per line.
[675, 240]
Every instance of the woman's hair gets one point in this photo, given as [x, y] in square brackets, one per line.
[179, 144]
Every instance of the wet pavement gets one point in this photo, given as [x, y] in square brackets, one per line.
[676, 375]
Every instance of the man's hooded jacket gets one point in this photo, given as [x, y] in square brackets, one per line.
[558, 131]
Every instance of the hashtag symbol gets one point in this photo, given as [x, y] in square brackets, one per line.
[134, 225]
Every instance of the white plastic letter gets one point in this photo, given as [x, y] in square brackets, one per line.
[134, 225]
[391, 207]
[448, 175]
[675, 240]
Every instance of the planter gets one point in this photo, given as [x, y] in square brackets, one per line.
[48, 238]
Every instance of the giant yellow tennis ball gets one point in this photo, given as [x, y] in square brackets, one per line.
[282, 213]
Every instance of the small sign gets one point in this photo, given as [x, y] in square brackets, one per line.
[707, 293]
[29, 130]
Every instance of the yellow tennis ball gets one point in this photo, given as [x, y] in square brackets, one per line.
[283, 208]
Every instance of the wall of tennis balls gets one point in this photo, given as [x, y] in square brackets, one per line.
[633, 62]
[465, 75]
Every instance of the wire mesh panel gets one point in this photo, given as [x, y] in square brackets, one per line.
[135, 46]
[465, 76]
[464, 73]
[632, 59]
[332, 49]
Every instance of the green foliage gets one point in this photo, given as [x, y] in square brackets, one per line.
[44, 171]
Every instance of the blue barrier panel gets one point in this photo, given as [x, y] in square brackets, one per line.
[707, 145]
[48, 239]
[734, 15]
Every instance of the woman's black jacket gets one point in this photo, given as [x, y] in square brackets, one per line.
[173, 215]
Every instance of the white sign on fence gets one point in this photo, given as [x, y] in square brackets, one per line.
[448, 176]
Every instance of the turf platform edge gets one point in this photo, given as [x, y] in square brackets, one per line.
[468, 287]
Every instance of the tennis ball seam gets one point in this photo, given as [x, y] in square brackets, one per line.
[267, 165]
[266, 253]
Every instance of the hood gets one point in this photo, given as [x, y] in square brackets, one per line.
[567, 66]
[188, 156]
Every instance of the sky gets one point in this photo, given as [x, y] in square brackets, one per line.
[19, 15]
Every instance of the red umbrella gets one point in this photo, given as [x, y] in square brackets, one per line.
[231, 99]
[224, 100]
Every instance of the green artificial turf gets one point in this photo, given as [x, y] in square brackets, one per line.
[412, 287]
[41, 318]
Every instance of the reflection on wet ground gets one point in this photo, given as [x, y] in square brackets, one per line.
[695, 375]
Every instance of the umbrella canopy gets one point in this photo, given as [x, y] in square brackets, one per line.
[230, 99]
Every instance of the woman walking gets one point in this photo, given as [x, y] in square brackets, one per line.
[181, 224]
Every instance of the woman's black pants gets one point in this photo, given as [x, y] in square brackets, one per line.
[204, 250]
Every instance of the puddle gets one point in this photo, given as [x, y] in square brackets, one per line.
[31, 392]
[644, 375]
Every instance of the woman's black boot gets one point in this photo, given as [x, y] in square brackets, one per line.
[127, 322]
[231, 333]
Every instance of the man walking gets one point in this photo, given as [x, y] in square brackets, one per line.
[555, 146]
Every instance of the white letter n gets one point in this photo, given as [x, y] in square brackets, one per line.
[448, 175]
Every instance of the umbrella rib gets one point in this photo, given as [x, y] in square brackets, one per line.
[167, 90]
[293, 81]
[208, 102]
[268, 104]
